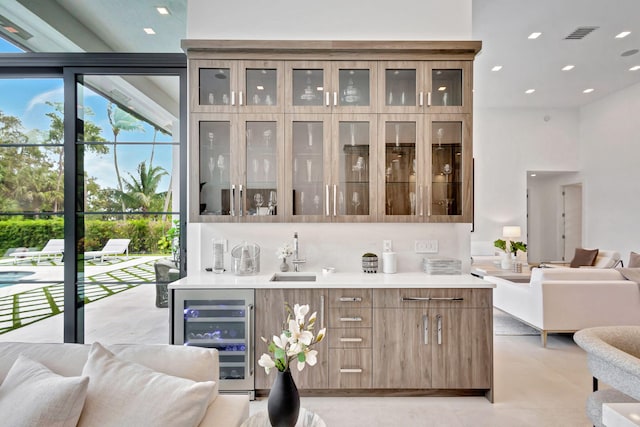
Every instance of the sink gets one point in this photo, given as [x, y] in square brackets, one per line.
[293, 277]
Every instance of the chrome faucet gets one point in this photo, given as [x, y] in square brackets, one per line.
[296, 256]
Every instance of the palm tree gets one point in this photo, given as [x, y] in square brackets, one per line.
[121, 120]
[142, 190]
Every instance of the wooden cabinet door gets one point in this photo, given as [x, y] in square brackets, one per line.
[270, 316]
[401, 348]
[462, 348]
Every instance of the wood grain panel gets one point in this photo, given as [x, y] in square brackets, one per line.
[350, 337]
[480, 298]
[350, 368]
[350, 317]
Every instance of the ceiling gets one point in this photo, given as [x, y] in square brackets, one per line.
[502, 25]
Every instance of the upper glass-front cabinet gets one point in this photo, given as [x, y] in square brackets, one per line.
[330, 86]
[238, 86]
[421, 86]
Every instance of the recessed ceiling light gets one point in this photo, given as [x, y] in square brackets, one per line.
[162, 10]
[533, 174]
[497, 68]
[534, 35]
[149, 31]
[623, 34]
[635, 68]
[529, 91]
[568, 67]
[588, 90]
[442, 88]
[259, 87]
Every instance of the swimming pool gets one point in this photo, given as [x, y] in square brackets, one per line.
[9, 278]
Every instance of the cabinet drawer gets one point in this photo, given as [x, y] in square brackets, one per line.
[350, 368]
[349, 317]
[349, 298]
[349, 338]
[432, 298]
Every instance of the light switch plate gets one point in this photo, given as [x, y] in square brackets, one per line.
[426, 246]
[386, 246]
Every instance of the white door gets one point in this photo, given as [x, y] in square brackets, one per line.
[572, 214]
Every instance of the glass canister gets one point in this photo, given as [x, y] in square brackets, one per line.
[219, 248]
[246, 259]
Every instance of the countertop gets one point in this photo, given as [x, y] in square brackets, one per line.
[206, 279]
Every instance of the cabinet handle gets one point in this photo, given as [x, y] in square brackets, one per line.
[335, 99]
[428, 99]
[428, 202]
[240, 98]
[335, 210]
[350, 339]
[439, 320]
[326, 199]
[425, 327]
[350, 370]
[351, 319]
[250, 339]
[421, 200]
[241, 201]
[321, 311]
[233, 97]
[350, 299]
[326, 99]
[432, 299]
[421, 97]
[233, 200]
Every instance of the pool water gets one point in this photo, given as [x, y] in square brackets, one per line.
[9, 278]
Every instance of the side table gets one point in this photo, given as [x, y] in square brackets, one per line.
[305, 419]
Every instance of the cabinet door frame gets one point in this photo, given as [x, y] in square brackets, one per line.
[242, 77]
[325, 108]
[325, 211]
[334, 88]
[421, 173]
[420, 85]
[279, 171]
[374, 168]
[467, 168]
[467, 86]
[195, 65]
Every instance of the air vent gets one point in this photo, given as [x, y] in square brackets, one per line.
[14, 29]
[580, 33]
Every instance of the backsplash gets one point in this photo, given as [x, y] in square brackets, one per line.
[330, 245]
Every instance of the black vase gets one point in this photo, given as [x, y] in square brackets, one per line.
[284, 401]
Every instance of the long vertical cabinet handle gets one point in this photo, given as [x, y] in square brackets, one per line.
[250, 339]
[335, 99]
[326, 99]
[421, 201]
[326, 200]
[428, 99]
[335, 210]
[233, 97]
[241, 202]
[240, 98]
[321, 311]
[421, 97]
[425, 328]
[428, 202]
[439, 320]
[233, 200]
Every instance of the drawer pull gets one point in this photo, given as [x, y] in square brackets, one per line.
[350, 370]
[350, 299]
[350, 339]
[351, 319]
[432, 299]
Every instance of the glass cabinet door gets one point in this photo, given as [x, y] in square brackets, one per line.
[450, 195]
[353, 87]
[308, 157]
[263, 155]
[262, 89]
[216, 161]
[354, 159]
[217, 86]
[400, 89]
[448, 87]
[402, 151]
[306, 87]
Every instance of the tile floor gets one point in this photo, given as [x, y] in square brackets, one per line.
[534, 386]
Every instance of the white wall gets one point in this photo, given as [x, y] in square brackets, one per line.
[338, 245]
[507, 143]
[610, 161]
[329, 20]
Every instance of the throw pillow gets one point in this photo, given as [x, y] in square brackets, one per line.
[634, 260]
[32, 395]
[123, 393]
[584, 257]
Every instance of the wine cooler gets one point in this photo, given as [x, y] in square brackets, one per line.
[220, 319]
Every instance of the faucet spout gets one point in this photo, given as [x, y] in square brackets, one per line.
[296, 253]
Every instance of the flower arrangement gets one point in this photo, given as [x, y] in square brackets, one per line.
[294, 342]
[284, 251]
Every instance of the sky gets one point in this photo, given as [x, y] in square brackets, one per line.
[26, 99]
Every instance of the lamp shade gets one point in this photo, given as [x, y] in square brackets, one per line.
[511, 231]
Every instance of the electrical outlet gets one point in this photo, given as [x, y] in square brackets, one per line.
[426, 246]
[386, 246]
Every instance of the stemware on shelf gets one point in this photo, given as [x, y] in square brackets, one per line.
[273, 202]
[258, 199]
[221, 166]
[355, 200]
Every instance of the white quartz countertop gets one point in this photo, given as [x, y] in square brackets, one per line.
[206, 279]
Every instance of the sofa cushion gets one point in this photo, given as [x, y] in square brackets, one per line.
[634, 260]
[120, 390]
[32, 395]
[583, 257]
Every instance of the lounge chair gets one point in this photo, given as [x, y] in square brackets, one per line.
[113, 247]
[52, 249]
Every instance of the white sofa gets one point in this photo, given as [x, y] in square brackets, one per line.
[194, 363]
[569, 299]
